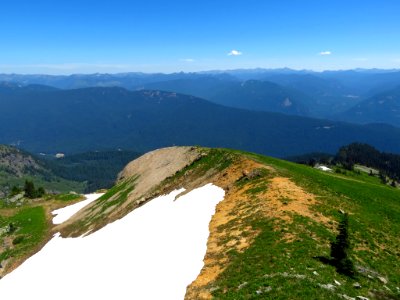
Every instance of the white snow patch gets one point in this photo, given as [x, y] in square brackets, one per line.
[63, 214]
[154, 252]
[324, 168]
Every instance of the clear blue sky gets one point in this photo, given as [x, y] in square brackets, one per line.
[63, 37]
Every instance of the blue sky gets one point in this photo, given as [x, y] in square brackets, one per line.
[64, 37]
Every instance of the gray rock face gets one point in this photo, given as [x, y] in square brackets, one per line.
[16, 198]
[15, 162]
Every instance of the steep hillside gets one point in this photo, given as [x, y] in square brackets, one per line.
[71, 121]
[384, 165]
[270, 236]
[25, 227]
[381, 108]
[97, 169]
[16, 166]
[366, 82]
[327, 96]
[16, 162]
[252, 94]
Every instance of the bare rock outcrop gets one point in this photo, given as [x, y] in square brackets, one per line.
[136, 181]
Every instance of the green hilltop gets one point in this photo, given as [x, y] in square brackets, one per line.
[271, 236]
[292, 269]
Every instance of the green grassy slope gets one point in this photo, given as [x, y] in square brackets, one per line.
[285, 253]
[25, 229]
[273, 268]
[29, 228]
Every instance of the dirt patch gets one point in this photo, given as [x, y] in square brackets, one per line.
[277, 197]
[7, 212]
[284, 198]
[227, 231]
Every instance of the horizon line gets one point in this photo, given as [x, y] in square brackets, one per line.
[208, 71]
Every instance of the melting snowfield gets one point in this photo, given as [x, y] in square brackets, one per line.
[154, 252]
[63, 214]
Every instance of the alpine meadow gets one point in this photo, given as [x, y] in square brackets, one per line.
[200, 150]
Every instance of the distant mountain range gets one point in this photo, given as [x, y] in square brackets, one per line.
[381, 108]
[251, 94]
[331, 94]
[43, 119]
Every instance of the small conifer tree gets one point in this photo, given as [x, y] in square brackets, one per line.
[31, 192]
[340, 249]
[29, 189]
[40, 192]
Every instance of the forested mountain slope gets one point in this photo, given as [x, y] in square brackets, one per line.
[71, 121]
